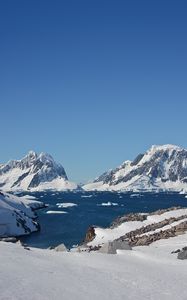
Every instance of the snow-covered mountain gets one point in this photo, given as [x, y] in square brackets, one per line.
[34, 172]
[162, 168]
[16, 215]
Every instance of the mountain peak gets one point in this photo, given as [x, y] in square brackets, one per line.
[31, 154]
[34, 171]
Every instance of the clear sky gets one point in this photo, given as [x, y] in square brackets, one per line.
[92, 82]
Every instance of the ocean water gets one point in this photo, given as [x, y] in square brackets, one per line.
[68, 225]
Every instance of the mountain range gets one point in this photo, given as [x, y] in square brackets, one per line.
[161, 168]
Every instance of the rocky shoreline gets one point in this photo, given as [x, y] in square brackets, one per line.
[170, 226]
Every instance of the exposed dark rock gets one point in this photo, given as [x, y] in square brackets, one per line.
[137, 160]
[182, 254]
[146, 240]
[90, 235]
[9, 239]
[162, 211]
[175, 251]
[128, 218]
[139, 216]
[20, 178]
[145, 229]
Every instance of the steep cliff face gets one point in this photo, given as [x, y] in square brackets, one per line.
[34, 172]
[160, 168]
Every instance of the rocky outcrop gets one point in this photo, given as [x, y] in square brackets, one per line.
[147, 239]
[182, 254]
[127, 218]
[60, 248]
[151, 227]
[112, 247]
[139, 216]
[90, 235]
[162, 211]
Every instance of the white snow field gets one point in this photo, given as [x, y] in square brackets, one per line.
[145, 273]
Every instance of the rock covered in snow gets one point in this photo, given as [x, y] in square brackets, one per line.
[61, 248]
[182, 254]
[34, 172]
[17, 215]
[162, 168]
[111, 247]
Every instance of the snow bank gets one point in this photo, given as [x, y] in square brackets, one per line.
[144, 273]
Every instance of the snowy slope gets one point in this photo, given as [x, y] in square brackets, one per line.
[16, 215]
[34, 172]
[104, 235]
[144, 273]
[161, 168]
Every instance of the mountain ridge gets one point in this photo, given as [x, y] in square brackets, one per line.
[161, 168]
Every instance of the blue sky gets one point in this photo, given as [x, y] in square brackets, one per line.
[92, 82]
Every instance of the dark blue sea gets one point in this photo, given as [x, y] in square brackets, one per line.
[93, 208]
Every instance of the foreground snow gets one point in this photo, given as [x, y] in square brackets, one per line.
[143, 273]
